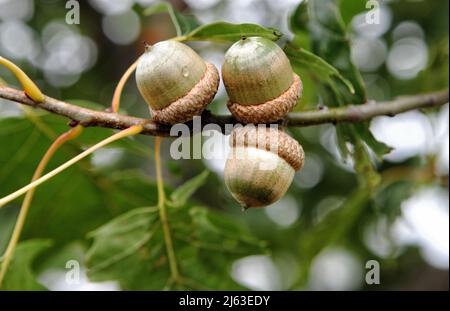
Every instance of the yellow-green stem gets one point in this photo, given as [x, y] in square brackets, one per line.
[163, 214]
[133, 130]
[73, 133]
[118, 91]
[29, 87]
[179, 38]
[33, 117]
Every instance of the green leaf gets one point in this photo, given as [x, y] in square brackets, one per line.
[367, 173]
[350, 8]
[183, 23]
[378, 147]
[298, 20]
[223, 31]
[190, 28]
[180, 195]
[302, 58]
[390, 197]
[79, 199]
[329, 40]
[8, 216]
[131, 249]
[20, 275]
[120, 238]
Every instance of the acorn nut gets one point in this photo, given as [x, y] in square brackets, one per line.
[259, 80]
[261, 164]
[175, 81]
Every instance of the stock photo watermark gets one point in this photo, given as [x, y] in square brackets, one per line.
[373, 15]
[73, 273]
[73, 13]
[373, 273]
[184, 147]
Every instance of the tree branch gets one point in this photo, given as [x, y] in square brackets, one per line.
[93, 118]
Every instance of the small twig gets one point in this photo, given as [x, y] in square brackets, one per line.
[359, 113]
[163, 215]
[118, 91]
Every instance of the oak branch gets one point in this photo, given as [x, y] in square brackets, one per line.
[359, 113]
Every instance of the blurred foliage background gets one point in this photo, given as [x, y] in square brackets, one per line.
[318, 237]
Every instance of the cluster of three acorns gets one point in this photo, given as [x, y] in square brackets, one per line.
[178, 84]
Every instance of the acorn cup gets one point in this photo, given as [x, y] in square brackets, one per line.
[259, 80]
[175, 81]
[261, 165]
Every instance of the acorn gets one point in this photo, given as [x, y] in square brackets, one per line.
[259, 80]
[175, 81]
[261, 164]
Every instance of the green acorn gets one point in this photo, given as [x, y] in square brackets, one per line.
[175, 81]
[259, 80]
[261, 165]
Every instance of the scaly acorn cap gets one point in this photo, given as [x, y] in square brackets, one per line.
[261, 165]
[259, 80]
[175, 81]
